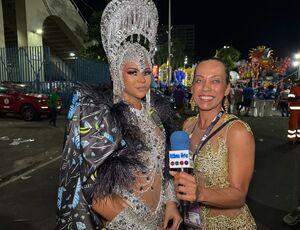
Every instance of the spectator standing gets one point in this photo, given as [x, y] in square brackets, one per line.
[238, 99]
[283, 101]
[53, 99]
[230, 99]
[167, 91]
[248, 97]
[294, 119]
[259, 102]
[188, 96]
[179, 96]
[269, 100]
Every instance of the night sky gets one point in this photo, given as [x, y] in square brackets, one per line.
[237, 23]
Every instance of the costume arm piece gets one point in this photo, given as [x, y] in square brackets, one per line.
[241, 152]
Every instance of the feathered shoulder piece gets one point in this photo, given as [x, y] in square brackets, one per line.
[109, 147]
[163, 109]
[93, 94]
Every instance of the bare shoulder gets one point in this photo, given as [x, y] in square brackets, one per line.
[238, 127]
[240, 134]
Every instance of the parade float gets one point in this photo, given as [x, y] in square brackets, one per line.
[184, 77]
[262, 68]
[162, 79]
[181, 76]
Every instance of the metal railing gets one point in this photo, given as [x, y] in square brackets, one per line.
[79, 12]
[34, 66]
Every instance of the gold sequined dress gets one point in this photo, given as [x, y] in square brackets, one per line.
[212, 163]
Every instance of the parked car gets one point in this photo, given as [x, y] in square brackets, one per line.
[22, 99]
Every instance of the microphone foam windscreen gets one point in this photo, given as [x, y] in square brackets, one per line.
[179, 141]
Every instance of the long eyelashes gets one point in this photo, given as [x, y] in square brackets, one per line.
[130, 72]
[134, 73]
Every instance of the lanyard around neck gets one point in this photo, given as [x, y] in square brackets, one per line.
[207, 131]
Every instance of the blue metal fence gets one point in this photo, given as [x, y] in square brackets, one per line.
[34, 66]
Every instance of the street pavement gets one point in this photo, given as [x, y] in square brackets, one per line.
[27, 144]
[31, 153]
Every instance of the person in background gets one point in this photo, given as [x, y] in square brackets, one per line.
[293, 218]
[294, 108]
[238, 99]
[231, 99]
[168, 91]
[259, 102]
[179, 97]
[269, 100]
[188, 96]
[248, 94]
[224, 164]
[53, 100]
[283, 101]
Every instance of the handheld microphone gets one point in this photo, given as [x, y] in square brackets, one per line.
[179, 157]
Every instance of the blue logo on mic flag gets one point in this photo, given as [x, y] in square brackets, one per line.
[179, 159]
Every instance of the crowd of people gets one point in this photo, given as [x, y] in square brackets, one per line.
[259, 101]
[262, 100]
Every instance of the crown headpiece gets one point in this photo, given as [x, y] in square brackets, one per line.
[128, 30]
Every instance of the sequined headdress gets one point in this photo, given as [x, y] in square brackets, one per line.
[128, 30]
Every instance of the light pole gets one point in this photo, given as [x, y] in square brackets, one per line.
[296, 63]
[169, 46]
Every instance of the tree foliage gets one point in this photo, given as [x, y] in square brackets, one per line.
[95, 48]
[229, 55]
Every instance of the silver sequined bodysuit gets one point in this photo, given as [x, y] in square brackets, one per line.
[150, 192]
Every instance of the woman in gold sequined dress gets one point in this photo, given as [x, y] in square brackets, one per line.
[224, 165]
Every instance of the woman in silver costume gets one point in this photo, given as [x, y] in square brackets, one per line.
[112, 174]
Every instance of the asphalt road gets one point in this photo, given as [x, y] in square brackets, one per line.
[29, 171]
[24, 145]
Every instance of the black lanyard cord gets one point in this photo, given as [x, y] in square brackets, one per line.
[207, 131]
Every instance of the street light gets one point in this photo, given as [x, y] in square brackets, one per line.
[185, 60]
[296, 63]
[39, 31]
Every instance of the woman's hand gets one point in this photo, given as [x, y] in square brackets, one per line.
[186, 187]
[172, 213]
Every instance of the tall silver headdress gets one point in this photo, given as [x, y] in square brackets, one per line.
[128, 30]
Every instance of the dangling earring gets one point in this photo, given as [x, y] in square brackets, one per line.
[193, 103]
[148, 100]
[226, 104]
